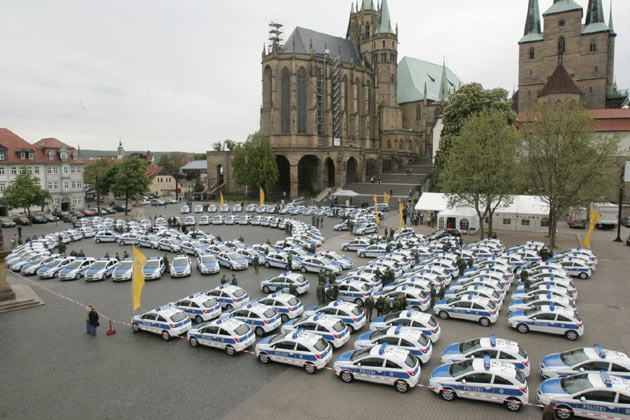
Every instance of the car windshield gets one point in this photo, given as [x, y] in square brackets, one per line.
[54, 263]
[125, 265]
[209, 303]
[320, 345]
[411, 361]
[98, 265]
[576, 383]
[360, 354]
[457, 369]
[179, 316]
[234, 256]
[180, 261]
[152, 264]
[573, 357]
[75, 264]
[208, 259]
[531, 311]
[293, 301]
[470, 345]
[269, 313]
[241, 330]
[390, 317]
[38, 260]
[277, 338]
[239, 293]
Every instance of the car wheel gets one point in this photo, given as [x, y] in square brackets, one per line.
[267, 264]
[346, 376]
[165, 335]
[230, 351]
[135, 327]
[448, 394]
[401, 386]
[522, 328]
[98, 241]
[259, 331]
[266, 289]
[583, 276]
[345, 248]
[193, 342]
[571, 335]
[228, 307]
[264, 358]
[303, 269]
[443, 315]
[563, 412]
[310, 368]
[362, 255]
[513, 404]
[358, 302]
[284, 318]
[351, 328]
[198, 319]
[485, 322]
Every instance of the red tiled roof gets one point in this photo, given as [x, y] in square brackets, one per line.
[153, 171]
[560, 82]
[13, 143]
[606, 120]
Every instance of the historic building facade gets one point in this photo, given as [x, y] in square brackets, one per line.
[340, 110]
[571, 58]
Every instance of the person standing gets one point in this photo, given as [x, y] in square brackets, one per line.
[549, 411]
[87, 319]
[166, 263]
[319, 294]
[19, 231]
[290, 262]
[93, 320]
[256, 264]
[224, 280]
[379, 306]
[293, 290]
[369, 305]
[234, 281]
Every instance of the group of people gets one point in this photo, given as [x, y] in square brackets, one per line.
[233, 282]
[374, 180]
[116, 257]
[317, 221]
[330, 293]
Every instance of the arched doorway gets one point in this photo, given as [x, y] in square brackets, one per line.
[220, 175]
[351, 171]
[371, 168]
[309, 173]
[329, 173]
[65, 204]
[284, 180]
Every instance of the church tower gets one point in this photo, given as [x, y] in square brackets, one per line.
[120, 152]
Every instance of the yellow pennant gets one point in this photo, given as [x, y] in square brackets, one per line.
[386, 198]
[262, 195]
[221, 197]
[378, 220]
[137, 282]
[401, 208]
[595, 217]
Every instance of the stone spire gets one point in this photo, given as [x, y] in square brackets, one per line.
[443, 83]
[367, 5]
[532, 24]
[610, 21]
[385, 25]
[594, 12]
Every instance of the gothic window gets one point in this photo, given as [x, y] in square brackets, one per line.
[593, 46]
[561, 46]
[384, 57]
[267, 88]
[286, 101]
[367, 30]
[596, 69]
[374, 59]
[383, 44]
[393, 57]
[301, 101]
[562, 22]
[389, 145]
[532, 53]
[418, 112]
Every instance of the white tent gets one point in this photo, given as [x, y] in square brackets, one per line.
[345, 193]
[462, 218]
[432, 202]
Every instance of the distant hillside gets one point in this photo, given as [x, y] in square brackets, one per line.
[87, 153]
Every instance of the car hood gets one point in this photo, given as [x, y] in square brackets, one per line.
[441, 372]
[553, 360]
[552, 386]
[451, 350]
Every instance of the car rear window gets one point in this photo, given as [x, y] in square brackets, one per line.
[339, 326]
[293, 301]
[269, 313]
[321, 344]
[411, 361]
[239, 293]
[432, 322]
[209, 303]
[241, 330]
[179, 316]
[356, 311]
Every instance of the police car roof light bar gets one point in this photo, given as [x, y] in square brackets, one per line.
[486, 362]
[600, 351]
[398, 328]
[493, 340]
[382, 349]
[298, 332]
[606, 378]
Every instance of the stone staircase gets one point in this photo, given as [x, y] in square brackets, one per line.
[24, 298]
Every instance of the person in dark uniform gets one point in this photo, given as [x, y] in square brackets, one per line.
[166, 264]
[322, 288]
[234, 281]
[320, 276]
[256, 264]
[125, 255]
[335, 290]
[332, 278]
[549, 412]
[379, 306]
[319, 294]
[290, 262]
[292, 290]
[369, 306]
[224, 279]
[403, 302]
[395, 304]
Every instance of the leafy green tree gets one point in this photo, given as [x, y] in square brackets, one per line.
[198, 187]
[479, 172]
[24, 191]
[128, 177]
[96, 169]
[217, 147]
[468, 100]
[199, 156]
[254, 163]
[566, 163]
[229, 145]
[172, 163]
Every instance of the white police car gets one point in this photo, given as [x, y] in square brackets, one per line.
[480, 291]
[180, 266]
[100, 269]
[481, 379]
[353, 291]
[496, 348]
[382, 364]
[233, 260]
[261, 318]
[229, 296]
[185, 210]
[299, 348]
[470, 308]
[577, 267]
[316, 265]
[372, 251]
[549, 319]
[283, 282]
[355, 245]
[105, 236]
[170, 245]
[541, 300]
[351, 314]
[207, 264]
[33, 267]
[278, 260]
[153, 268]
[365, 229]
[167, 320]
[51, 268]
[587, 359]
[410, 339]
[345, 262]
[424, 322]
[367, 278]
[416, 298]
[589, 395]
[76, 268]
[331, 328]
[199, 307]
[228, 334]
[123, 271]
[288, 306]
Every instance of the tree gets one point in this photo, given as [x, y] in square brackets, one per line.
[198, 187]
[479, 172]
[567, 165]
[128, 177]
[24, 191]
[468, 100]
[254, 163]
[172, 163]
[217, 147]
[97, 169]
[229, 145]
[199, 156]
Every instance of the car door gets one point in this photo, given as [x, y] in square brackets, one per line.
[461, 310]
[543, 322]
[184, 305]
[208, 336]
[597, 402]
[372, 369]
[283, 351]
[596, 366]
[478, 385]
[301, 354]
[148, 322]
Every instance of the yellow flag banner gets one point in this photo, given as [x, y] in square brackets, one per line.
[262, 196]
[401, 208]
[595, 217]
[378, 221]
[137, 282]
[221, 197]
[386, 198]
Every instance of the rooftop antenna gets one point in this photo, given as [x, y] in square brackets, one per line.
[275, 34]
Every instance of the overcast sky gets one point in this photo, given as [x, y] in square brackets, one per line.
[181, 74]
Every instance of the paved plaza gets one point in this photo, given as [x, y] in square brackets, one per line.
[52, 369]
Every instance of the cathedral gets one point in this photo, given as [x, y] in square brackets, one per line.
[339, 110]
[571, 58]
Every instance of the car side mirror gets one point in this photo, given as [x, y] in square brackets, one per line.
[581, 369]
[463, 381]
[582, 399]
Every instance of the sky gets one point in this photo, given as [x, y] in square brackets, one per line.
[179, 75]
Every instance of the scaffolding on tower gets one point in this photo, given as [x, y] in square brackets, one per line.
[275, 34]
[335, 81]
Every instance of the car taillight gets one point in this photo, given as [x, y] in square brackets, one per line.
[579, 324]
[319, 356]
[491, 312]
[291, 309]
[355, 319]
[364, 294]
[424, 351]
[234, 300]
[205, 311]
[525, 363]
[238, 340]
[266, 321]
[523, 389]
[411, 373]
[432, 331]
[171, 325]
[496, 300]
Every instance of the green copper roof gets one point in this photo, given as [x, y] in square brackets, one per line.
[594, 12]
[610, 21]
[562, 6]
[367, 5]
[385, 26]
[594, 28]
[533, 37]
[414, 75]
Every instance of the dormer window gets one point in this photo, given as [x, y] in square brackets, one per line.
[3, 156]
[51, 155]
[63, 155]
[75, 156]
[31, 155]
[22, 155]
